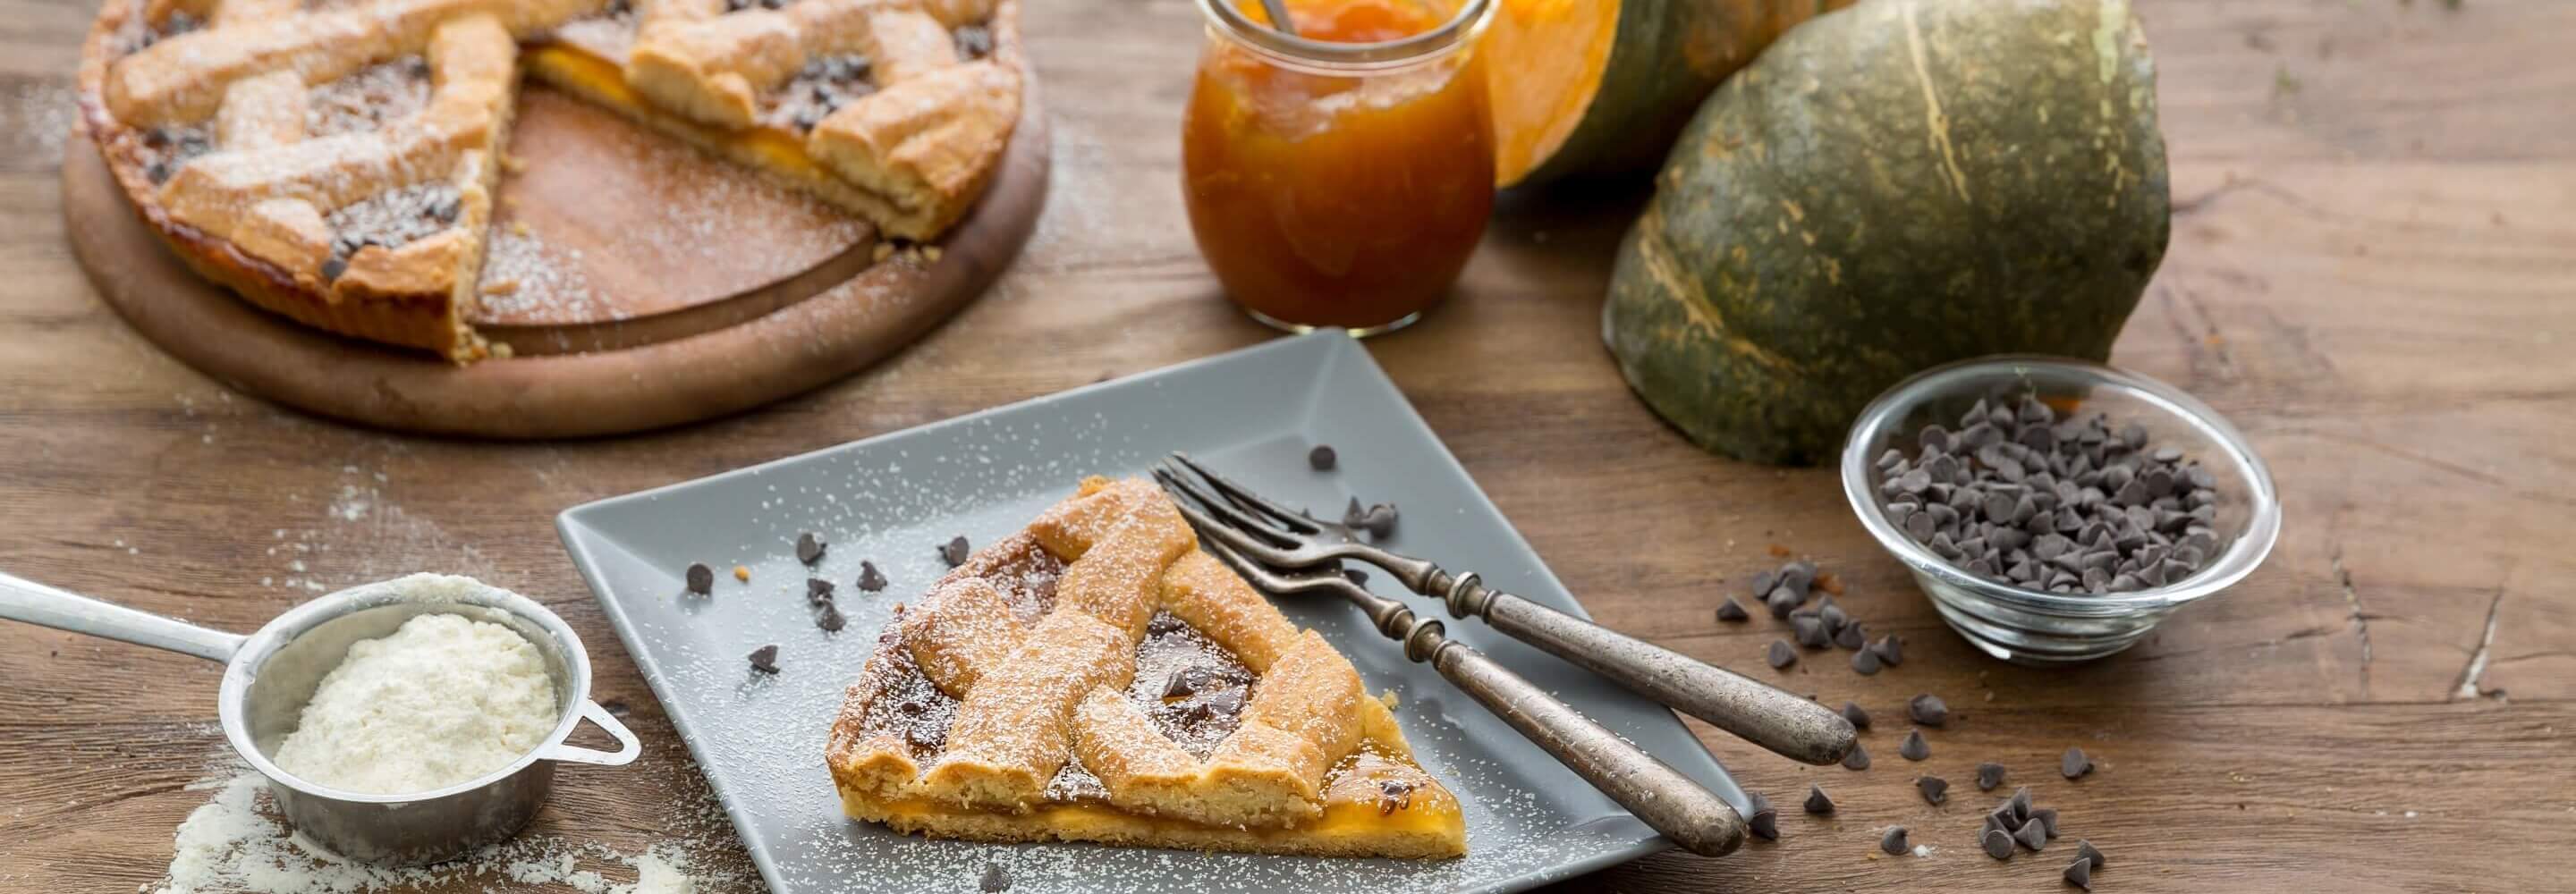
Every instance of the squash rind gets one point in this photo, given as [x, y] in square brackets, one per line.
[1888, 188]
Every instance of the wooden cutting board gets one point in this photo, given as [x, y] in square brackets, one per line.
[639, 284]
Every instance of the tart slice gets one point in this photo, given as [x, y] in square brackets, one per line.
[895, 110]
[1096, 677]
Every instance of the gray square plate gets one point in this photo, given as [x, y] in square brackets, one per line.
[894, 498]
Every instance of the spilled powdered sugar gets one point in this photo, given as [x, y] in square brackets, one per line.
[237, 843]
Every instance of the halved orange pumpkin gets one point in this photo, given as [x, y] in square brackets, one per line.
[1588, 87]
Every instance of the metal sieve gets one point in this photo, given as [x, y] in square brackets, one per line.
[270, 674]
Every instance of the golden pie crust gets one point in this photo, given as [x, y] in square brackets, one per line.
[1031, 696]
[334, 161]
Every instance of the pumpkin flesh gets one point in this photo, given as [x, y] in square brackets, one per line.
[1545, 59]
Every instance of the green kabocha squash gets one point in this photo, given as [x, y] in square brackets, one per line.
[1589, 87]
[1890, 187]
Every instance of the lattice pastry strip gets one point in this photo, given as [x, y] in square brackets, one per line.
[1029, 702]
[714, 67]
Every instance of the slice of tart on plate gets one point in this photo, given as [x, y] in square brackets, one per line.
[1096, 677]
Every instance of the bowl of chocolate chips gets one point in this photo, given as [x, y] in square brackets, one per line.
[2055, 510]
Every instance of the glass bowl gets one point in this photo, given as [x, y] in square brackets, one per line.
[2036, 627]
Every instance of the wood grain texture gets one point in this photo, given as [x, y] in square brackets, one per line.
[2373, 273]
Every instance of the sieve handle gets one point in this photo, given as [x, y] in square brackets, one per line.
[627, 746]
[35, 603]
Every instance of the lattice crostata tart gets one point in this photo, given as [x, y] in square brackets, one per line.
[334, 160]
[1097, 677]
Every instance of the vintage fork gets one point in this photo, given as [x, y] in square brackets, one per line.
[1672, 804]
[1789, 725]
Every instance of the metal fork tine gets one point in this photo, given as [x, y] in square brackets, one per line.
[1294, 521]
[1262, 577]
[1234, 516]
[1195, 508]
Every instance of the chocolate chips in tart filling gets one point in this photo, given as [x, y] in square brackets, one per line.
[369, 98]
[391, 219]
[164, 150]
[907, 705]
[1192, 688]
[974, 42]
[139, 31]
[822, 87]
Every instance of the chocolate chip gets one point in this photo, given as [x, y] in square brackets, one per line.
[2080, 873]
[1810, 631]
[702, 579]
[1928, 709]
[1858, 759]
[1321, 458]
[1934, 789]
[1184, 683]
[1730, 612]
[830, 619]
[2002, 818]
[1988, 776]
[1817, 803]
[1852, 636]
[1782, 602]
[1360, 578]
[995, 880]
[1780, 654]
[870, 579]
[331, 268]
[1891, 651]
[1764, 582]
[2074, 764]
[1380, 520]
[954, 552]
[1914, 748]
[2032, 836]
[1859, 718]
[1865, 662]
[2091, 855]
[765, 659]
[1997, 844]
[1765, 821]
[1226, 702]
[2046, 819]
[809, 549]
[1893, 843]
[1798, 577]
[2020, 805]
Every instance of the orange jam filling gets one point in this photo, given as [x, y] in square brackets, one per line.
[1341, 198]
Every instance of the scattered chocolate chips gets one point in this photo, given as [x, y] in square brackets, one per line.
[1810, 630]
[1380, 521]
[995, 881]
[1781, 655]
[2080, 873]
[1765, 821]
[1890, 650]
[2019, 497]
[1851, 636]
[1817, 802]
[2020, 805]
[765, 659]
[809, 548]
[1989, 775]
[2032, 836]
[1928, 709]
[1997, 844]
[1858, 759]
[2002, 818]
[702, 579]
[1859, 718]
[1914, 748]
[1730, 612]
[1355, 576]
[817, 592]
[1893, 843]
[830, 619]
[1322, 458]
[1865, 662]
[2074, 764]
[2046, 819]
[870, 579]
[954, 552]
[1934, 788]
[2090, 854]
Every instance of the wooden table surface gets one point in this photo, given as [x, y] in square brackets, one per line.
[2373, 273]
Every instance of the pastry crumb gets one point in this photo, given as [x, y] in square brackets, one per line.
[742, 573]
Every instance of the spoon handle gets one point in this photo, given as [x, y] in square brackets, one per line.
[25, 600]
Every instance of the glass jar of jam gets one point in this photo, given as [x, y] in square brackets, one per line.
[1339, 177]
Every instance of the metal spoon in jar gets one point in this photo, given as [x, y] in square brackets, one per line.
[1278, 10]
[270, 674]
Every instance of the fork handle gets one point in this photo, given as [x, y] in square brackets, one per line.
[1788, 725]
[1668, 801]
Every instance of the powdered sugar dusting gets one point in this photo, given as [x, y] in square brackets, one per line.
[522, 273]
[35, 119]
